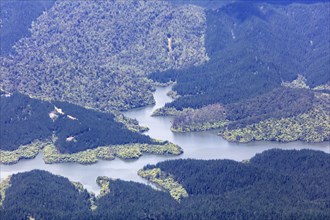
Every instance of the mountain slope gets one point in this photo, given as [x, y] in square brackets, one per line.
[257, 51]
[96, 54]
[16, 17]
[23, 120]
[42, 195]
[253, 48]
[275, 184]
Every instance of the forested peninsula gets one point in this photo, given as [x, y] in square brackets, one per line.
[68, 133]
[280, 184]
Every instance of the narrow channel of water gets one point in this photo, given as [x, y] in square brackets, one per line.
[197, 145]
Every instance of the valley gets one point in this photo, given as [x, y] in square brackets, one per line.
[164, 109]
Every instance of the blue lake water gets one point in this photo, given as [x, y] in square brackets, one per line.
[197, 145]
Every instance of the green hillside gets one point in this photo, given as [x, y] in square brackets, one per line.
[253, 48]
[96, 54]
[69, 133]
[16, 17]
[268, 70]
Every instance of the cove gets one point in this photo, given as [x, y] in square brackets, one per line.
[196, 145]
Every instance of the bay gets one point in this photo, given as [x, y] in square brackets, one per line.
[196, 145]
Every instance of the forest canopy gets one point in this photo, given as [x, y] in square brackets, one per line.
[277, 184]
[24, 119]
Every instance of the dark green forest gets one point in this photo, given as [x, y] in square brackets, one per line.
[42, 195]
[276, 184]
[16, 18]
[25, 119]
[252, 50]
[278, 103]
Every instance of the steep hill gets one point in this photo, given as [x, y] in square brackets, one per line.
[42, 195]
[253, 48]
[268, 70]
[96, 54]
[275, 184]
[74, 128]
[16, 17]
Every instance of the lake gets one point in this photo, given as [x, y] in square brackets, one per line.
[197, 145]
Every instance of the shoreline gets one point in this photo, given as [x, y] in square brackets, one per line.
[90, 156]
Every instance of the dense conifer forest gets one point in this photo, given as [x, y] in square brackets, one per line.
[24, 119]
[252, 50]
[268, 70]
[16, 17]
[42, 195]
[276, 184]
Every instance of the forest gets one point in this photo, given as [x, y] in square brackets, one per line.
[97, 54]
[268, 70]
[24, 120]
[253, 70]
[242, 65]
[283, 115]
[16, 17]
[279, 103]
[275, 184]
[42, 195]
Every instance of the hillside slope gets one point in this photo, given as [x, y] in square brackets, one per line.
[268, 70]
[96, 54]
[253, 48]
[24, 120]
[16, 17]
[275, 184]
[69, 133]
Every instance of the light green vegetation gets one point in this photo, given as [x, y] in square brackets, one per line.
[81, 189]
[191, 123]
[313, 126]
[23, 152]
[134, 151]
[103, 183]
[322, 87]
[4, 184]
[164, 111]
[205, 118]
[131, 124]
[173, 94]
[306, 119]
[299, 83]
[52, 155]
[78, 186]
[92, 199]
[162, 149]
[101, 60]
[165, 181]
[128, 152]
